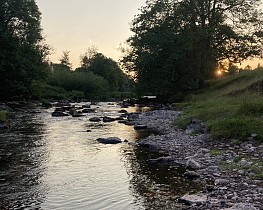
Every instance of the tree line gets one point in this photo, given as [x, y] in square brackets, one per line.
[26, 73]
[178, 44]
[175, 47]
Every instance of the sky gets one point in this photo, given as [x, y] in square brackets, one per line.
[76, 25]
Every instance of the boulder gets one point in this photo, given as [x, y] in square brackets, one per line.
[95, 119]
[110, 140]
[192, 165]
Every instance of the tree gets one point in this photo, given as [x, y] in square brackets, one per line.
[22, 52]
[178, 44]
[86, 58]
[64, 60]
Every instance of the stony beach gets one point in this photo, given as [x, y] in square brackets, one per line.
[226, 168]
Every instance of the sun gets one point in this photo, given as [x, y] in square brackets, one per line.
[219, 72]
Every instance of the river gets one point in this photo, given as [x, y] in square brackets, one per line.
[54, 163]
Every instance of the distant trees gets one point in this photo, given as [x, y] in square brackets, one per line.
[178, 44]
[22, 52]
[97, 77]
[99, 64]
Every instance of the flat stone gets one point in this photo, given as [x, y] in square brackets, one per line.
[242, 206]
[196, 199]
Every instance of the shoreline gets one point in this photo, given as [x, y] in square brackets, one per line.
[225, 168]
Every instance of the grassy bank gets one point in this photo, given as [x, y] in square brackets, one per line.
[231, 107]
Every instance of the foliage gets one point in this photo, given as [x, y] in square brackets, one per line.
[107, 68]
[22, 52]
[2, 116]
[93, 86]
[231, 106]
[64, 60]
[178, 44]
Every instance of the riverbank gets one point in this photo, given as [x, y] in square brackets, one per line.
[229, 171]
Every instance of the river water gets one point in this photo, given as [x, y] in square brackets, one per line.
[54, 163]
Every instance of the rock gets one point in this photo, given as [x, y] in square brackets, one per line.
[59, 114]
[123, 121]
[254, 135]
[88, 110]
[86, 106]
[192, 164]
[140, 127]
[110, 140]
[108, 119]
[221, 181]
[196, 199]
[77, 114]
[163, 160]
[241, 206]
[88, 131]
[123, 111]
[191, 174]
[95, 119]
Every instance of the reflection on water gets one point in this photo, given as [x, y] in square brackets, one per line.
[53, 163]
[21, 156]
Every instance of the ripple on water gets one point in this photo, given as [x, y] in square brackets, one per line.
[53, 163]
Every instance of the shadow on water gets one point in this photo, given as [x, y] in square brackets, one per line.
[20, 159]
[155, 186]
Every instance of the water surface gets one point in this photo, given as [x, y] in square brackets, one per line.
[54, 163]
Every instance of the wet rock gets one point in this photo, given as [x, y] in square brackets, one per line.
[241, 206]
[108, 119]
[88, 110]
[162, 160]
[95, 119]
[59, 114]
[140, 127]
[77, 114]
[191, 174]
[110, 140]
[86, 106]
[123, 121]
[192, 164]
[196, 199]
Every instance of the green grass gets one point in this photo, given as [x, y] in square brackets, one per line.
[231, 107]
[216, 152]
[256, 165]
[3, 116]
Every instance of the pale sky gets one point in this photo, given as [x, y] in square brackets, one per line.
[76, 25]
